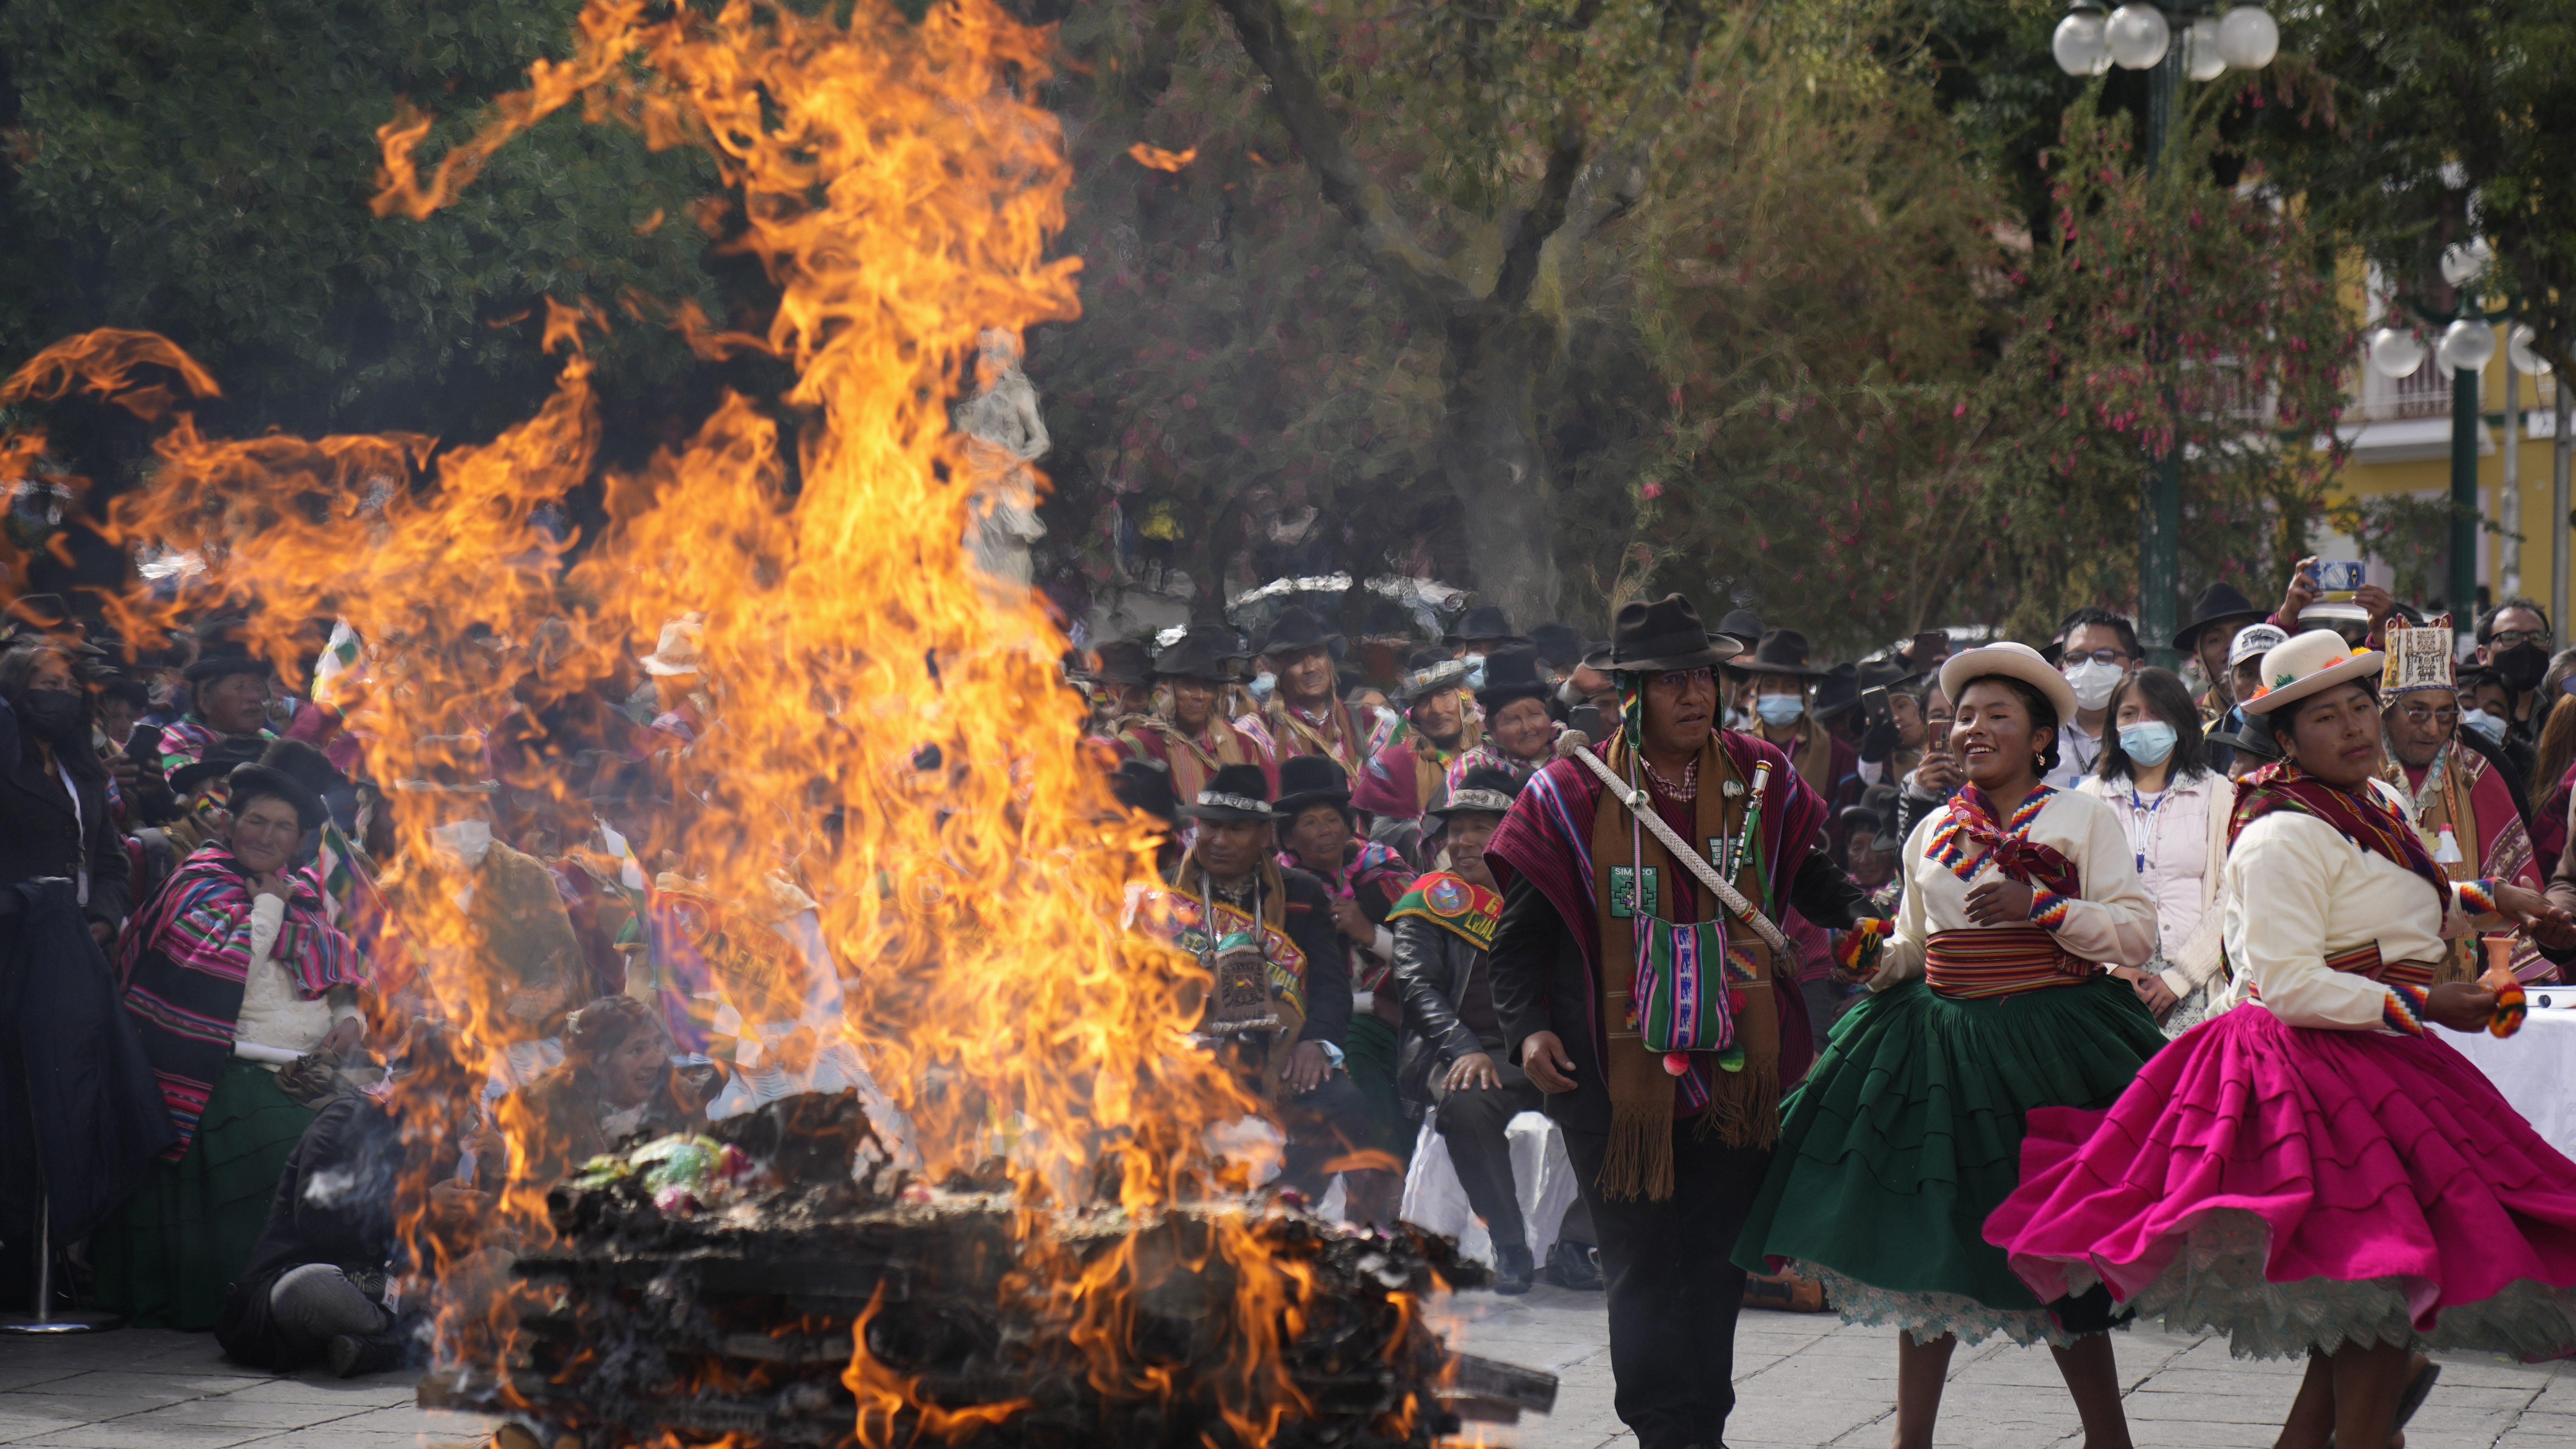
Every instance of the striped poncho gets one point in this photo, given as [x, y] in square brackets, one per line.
[185, 962]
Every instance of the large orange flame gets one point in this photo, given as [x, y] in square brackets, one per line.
[901, 188]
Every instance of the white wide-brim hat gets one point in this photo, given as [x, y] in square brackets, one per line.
[2318, 659]
[2017, 661]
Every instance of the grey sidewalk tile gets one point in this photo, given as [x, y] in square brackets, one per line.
[127, 1434]
[333, 1436]
[434, 1422]
[228, 1411]
[146, 1389]
[16, 1427]
[348, 1395]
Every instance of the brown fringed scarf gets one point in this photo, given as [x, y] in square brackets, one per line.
[1742, 1107]
[1814, 758]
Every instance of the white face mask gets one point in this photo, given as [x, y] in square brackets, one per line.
[2093, 681]
[1263, 683]
[463, 842]
[1475, 669]
[2484, 723]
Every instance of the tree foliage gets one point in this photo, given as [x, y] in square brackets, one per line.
[202, 170]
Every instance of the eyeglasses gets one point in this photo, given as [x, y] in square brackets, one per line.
[2422, 714]
[2098, 656]
[2508, 638]
[1684, 678]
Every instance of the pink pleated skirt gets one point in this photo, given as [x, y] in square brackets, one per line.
[2299, 1189]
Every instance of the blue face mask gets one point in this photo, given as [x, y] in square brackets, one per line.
[1780, 709]
[2148, 742]
[2484, 723]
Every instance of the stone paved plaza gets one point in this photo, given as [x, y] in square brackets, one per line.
[1803, 1380]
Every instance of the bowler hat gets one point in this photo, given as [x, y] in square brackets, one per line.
[1743, 626]
[1666, 634]
[1511, 674]
[253, 780]
[304, 764]
[1312, 780]
[1234, 792]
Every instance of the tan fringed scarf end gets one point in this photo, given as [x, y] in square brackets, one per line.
[1744, 1106]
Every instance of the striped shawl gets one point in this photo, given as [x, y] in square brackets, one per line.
[185, 962]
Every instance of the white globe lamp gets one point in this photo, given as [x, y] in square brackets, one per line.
[2080, 45]
[2467, 344]
[2139, 36]
[2248, 37]
[2200, 58]
[2394, 353]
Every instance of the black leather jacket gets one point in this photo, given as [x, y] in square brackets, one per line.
[1432, 964]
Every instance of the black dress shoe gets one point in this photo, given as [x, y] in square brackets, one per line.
[1574, 1265]
[353, 1354]
[1512, 1270]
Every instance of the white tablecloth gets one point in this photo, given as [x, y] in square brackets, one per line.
[2535, 1068]
[1434, 1198]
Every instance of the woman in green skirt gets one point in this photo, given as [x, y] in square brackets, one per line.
[1987, 999]
[231, 971]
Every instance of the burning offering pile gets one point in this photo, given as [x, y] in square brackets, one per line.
[791, 1301]
[867, 850]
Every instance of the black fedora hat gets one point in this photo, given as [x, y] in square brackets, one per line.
[1296, 629]
[2218, 604]
[2246, 740]
[1234, 792]
[1783, 651]
[1741, 625]
[1198, 654]
[1427, 671]
[1485, 621]
[1312, 780]
[1557, 644]
[1483, 787]
[1665, 634]
[1146, 785]
[221, 758]
[1838, 691]
[1511, 674]
[1882, 674]
[1124, 661]
[254, 780]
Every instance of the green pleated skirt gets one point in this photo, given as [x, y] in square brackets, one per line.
[166, 1258]
[1907, 1134]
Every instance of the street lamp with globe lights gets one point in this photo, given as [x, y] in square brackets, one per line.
[2088, 42]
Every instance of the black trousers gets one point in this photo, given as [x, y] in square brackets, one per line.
[1471, 1122]
[1673, 1294]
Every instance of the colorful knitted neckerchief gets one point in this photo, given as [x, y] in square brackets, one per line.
[1970, 823]
[2361, 816]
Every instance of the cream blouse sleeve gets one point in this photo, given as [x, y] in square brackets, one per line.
[2280, 903]
[2111, 919]
[1901, 958]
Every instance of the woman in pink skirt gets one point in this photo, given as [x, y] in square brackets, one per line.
[2312, 1172]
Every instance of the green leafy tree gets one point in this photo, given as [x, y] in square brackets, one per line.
[203, 170]
[2436, 124]
[2163, 311]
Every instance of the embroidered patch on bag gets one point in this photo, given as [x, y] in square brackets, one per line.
[1623, 892]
